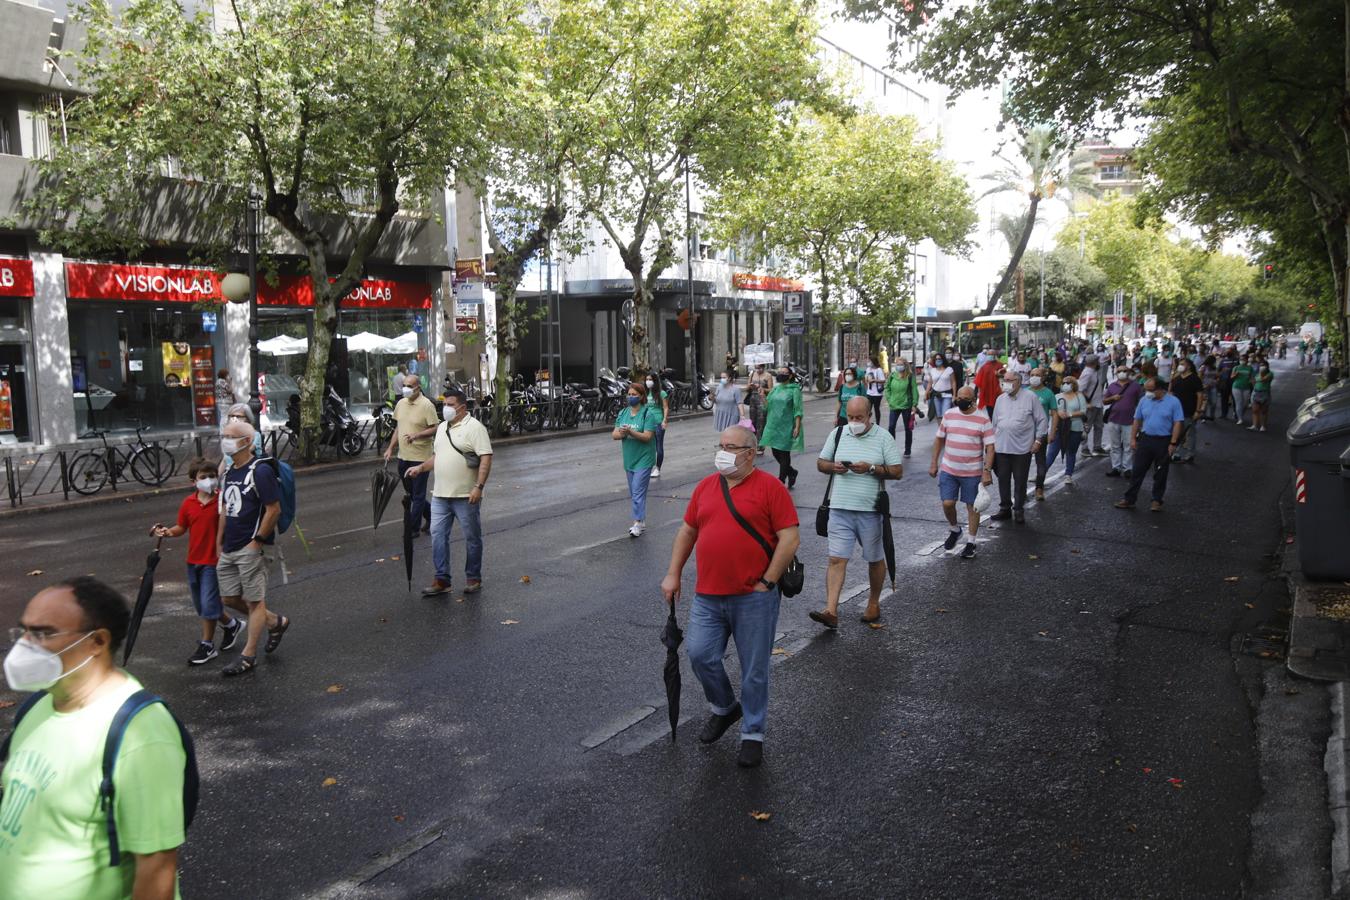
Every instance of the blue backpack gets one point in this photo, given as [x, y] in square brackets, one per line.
[111, 745]
[286, 483]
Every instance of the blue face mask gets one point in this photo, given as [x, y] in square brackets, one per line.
[634, 401]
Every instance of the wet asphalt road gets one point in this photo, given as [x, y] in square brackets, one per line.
[1011, 731]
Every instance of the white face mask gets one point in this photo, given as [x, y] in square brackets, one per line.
[649, 384]
[857, 427]
[1007, 386]
[1067, 389]
[29, 667]
[725, 461]
[231, 446]
[206, 485]
[724, 381]
[449, 412]
[407, 392]
[849, 378]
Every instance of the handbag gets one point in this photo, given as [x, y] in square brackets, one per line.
[794, 576]
[823, 511]
[471, 459]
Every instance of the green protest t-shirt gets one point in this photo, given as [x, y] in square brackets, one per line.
[637, 454]
[1242, 377]
[53, 835]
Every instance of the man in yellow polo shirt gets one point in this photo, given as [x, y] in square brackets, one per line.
[462, 460]
[416, 416]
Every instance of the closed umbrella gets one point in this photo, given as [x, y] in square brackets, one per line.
[407, 537]
[671, 636]
[142, 600]
[887, 538]
[383, 483]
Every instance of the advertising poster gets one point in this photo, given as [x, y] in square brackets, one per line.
[177, 363]
[203, 385]
[6, 407]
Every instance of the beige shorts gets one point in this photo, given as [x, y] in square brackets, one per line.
[243, 573]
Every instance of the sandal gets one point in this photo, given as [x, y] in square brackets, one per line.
[240, 666]
[868, 621]
[274, 635]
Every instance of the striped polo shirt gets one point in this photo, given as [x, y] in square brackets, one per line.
[966, 434]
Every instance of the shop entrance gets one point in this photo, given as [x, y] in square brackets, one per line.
[14, 413]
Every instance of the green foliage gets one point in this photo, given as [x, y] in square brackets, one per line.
[339, 113]
[845, 204]
[712, 84]
[1073, 285]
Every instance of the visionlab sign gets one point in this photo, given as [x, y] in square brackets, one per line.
[165, 284]
[16, 278]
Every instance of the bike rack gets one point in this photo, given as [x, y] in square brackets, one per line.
[15, 494]
[65, 475]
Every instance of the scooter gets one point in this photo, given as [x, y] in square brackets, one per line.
[339, 426]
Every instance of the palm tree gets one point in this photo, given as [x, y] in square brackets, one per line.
[1046, 166]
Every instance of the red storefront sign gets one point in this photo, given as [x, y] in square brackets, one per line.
[745, 281]
[164, 284]
[16, 278]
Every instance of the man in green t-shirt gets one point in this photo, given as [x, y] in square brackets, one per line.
[1242, 387]
[53, 834]
[1047, 397]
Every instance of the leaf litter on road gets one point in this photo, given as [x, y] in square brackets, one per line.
[510, 622]
[761, 816]
[329, 781]
[334, 689]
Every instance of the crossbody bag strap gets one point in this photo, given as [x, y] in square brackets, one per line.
[759, 538]
[452, 442]
[833, 453]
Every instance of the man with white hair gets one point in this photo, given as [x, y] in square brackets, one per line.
[250, 505]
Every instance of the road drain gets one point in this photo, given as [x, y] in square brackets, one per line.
[1265, 642]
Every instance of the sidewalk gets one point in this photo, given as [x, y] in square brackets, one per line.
[54, 501]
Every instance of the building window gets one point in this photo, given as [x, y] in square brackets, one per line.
[1113, 172]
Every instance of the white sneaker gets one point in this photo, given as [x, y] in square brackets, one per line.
[1068, 479]
[1262, 428]
[1251, 427]
[637, 529]
[656, 471]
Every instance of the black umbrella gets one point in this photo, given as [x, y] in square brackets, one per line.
[142, 600]
[672, 637]
[407, 537]
[887, 538]
[383, 483]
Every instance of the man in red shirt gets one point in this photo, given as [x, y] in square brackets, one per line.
[197, 518]
[987, 383]
[736, 593]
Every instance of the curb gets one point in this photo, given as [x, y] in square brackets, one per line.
[1338, 793]
[151, 493]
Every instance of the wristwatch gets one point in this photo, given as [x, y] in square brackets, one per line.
[871, 469]
[767, 585]
[479, 486]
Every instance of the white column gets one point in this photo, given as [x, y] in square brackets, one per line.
[51, 349]
[236, 349]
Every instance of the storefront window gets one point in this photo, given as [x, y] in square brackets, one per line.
[375, 345]
[133, 366]
[16, 418]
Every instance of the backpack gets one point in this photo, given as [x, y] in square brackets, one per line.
[111, 745]
[285, 482]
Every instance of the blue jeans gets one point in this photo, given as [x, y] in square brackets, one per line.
[750, 619]
[417, 489]
[638, 480]
[205, 591]
[444, 511]
[660, 444]
[1069, 448]
[942, 403]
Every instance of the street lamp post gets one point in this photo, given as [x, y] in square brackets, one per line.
[238, 288]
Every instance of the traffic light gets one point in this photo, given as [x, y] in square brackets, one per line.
[1270, 271]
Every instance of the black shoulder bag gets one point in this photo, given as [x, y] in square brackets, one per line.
[823, 511]
[792, 579]
[471, 459]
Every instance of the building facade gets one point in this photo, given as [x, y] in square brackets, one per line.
[117, 344]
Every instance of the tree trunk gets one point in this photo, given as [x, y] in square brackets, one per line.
[506, 346]
[1021, 291]
[316, 363]
[1015, 262]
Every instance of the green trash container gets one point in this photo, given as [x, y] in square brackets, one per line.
[1319, 454]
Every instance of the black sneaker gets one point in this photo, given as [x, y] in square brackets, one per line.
[751, 755]
[1112, 473]
[1002, 515]
[952, 538]
[969, 552]
[231, 634]
[716, 726]
[205, 652]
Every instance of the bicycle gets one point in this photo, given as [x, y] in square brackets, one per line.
[150, 464]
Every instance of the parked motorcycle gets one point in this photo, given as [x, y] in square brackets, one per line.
[339, 426]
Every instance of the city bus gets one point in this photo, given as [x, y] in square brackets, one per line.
[1007, 334]
[935, 337]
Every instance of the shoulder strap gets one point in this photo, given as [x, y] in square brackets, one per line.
[452, 440]
[838, 432]
[726, 495]
[113, 745]
[29, 702]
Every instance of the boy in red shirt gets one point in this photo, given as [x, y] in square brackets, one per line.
[198, 518]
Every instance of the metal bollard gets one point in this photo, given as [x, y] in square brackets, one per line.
[9, 481]
[65, 476]
[112, 467]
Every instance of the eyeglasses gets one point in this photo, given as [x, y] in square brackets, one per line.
[732, 448]
[37, 635]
